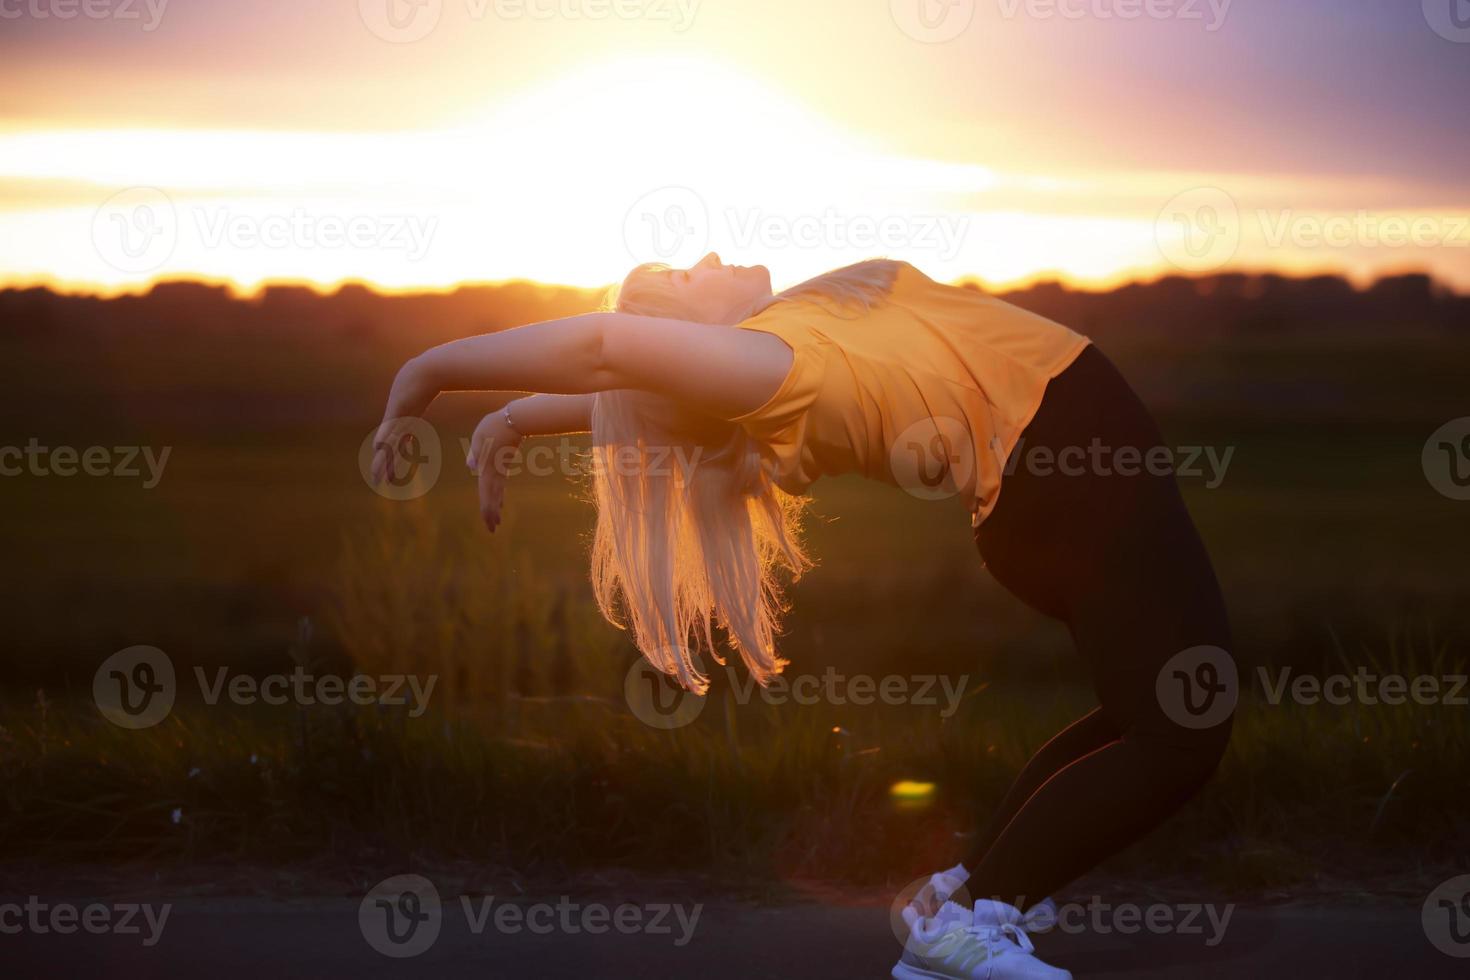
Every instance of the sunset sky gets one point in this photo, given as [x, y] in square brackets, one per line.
[427, 142]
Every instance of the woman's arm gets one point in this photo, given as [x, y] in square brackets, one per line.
[500, 434]
[718, 370]
[550, 415]
[714, 370]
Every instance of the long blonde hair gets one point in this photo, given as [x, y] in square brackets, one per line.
[691, 527]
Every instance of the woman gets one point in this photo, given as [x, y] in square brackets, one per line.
[852, 372]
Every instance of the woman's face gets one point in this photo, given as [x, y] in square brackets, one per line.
[713, 292]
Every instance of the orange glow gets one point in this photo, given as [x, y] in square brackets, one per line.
[574, 178]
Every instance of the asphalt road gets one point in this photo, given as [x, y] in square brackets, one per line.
[221, 938]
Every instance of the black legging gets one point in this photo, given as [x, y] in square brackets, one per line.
[1118, 560]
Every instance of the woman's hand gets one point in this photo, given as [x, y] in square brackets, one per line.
[492, 448]
[409, 398]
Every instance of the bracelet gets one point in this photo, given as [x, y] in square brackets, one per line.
[511, 425]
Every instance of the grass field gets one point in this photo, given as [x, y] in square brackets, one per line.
[1334, 550]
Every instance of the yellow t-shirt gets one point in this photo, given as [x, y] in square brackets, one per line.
[929, 390]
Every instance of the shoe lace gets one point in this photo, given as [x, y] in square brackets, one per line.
[995, 937]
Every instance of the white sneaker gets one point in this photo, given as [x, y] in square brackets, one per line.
[942, 885]
[987, 944]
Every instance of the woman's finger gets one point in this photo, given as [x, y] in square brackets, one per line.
[492, 495]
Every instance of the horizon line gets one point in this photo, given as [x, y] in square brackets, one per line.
[241, 292]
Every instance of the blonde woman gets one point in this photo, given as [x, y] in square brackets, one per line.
[849, 373]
